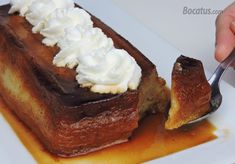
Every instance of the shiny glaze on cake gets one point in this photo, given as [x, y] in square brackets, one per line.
[190, 92]
[68, 119]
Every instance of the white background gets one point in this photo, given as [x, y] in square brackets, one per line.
[193, 35]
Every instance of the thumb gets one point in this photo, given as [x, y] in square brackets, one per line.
[225, 42]
[225, 33]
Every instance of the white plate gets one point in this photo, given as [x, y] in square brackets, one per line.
[219, 151]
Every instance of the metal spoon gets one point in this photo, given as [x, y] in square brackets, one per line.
[216, 97]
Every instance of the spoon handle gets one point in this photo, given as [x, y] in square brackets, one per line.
[215, 78]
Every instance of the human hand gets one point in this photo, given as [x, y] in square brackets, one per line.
[225, 33]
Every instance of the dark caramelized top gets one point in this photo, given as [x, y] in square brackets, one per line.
[61, 81]
[190, 80]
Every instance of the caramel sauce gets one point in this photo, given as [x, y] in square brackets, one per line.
[149, 141]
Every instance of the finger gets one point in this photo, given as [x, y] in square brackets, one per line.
[232, 27]
[225, 39]
[225, 42]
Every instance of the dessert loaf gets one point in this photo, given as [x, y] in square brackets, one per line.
[68, 119]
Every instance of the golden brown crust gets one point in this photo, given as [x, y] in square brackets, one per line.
[190, 93]
[69, 120]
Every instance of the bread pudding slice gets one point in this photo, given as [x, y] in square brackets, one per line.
[67, 119]
[190, 92]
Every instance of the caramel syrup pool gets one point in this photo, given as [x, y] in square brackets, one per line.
[149, 141]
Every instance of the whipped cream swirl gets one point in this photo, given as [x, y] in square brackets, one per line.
[79, 42]
[113, 72]
[99, 65]
[40, 10]
[58, 21]
[21, 6]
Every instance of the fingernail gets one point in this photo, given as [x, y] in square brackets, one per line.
[216, 51]
[216, 48]
[220, 48]
[233, 23]
[219, 52]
